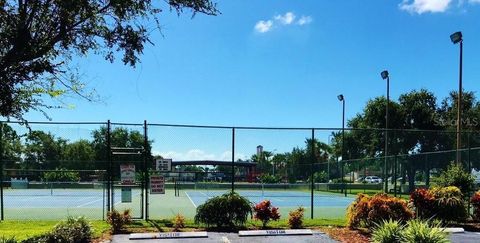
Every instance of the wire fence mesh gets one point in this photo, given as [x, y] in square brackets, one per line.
[52, 170]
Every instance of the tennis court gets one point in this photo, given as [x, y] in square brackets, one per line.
[58, 203]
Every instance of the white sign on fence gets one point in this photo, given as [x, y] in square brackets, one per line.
[127, 174]
[163, 165]
[157, 184]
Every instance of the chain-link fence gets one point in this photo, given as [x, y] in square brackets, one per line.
[52, 170]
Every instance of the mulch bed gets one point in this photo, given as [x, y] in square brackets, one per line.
[346, 235]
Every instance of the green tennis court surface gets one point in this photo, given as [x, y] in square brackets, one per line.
[60, 203]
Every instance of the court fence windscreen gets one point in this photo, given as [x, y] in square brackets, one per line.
[51, 170]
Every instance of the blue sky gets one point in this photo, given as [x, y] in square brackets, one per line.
[282, 63]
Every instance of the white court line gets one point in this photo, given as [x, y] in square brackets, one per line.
[87, 203]
[190, 199]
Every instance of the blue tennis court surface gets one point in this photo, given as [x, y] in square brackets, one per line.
[58, 198]
[278, 198]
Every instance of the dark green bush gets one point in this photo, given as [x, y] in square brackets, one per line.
[267, 178]
[227, 210]
[61, 175]
[455, 175]
[319, 177]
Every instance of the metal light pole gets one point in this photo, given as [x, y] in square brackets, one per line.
[342, 99]
[457, 38]
[386, 76]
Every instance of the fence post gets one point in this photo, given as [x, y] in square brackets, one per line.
[109, 168]
[427, 172]
[145, 166]
[469, 149]
[233, 159]
[1, 172]
[394, 177]
[312, 173]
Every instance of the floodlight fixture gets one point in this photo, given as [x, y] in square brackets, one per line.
[456, 37]
[384, 74]
[340, 97]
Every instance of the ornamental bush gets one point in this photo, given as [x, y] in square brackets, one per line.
[445, 203]
[417, 230]
[450, 204]
[389, 231]
[118, 220]
[178, 222]
[295, 218]
[227, 210]
[368, 211]
[423, 202]
[475, 200]
[264, 211]
[413, 231]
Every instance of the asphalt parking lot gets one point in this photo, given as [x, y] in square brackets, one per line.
[233, 237]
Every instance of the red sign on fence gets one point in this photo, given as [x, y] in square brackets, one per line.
[157, 184]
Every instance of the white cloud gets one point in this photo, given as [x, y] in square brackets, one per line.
[425, 6]
[198, 154]
[286, 19]
[263, 26]
[304, 20]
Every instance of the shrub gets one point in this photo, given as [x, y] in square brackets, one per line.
[178, 222]
[422, 231]
[76, 230]
[456, 176]
[61, 175]
[227, 210]
[449, 204]
[295, 218]
[424, 203]
[389, 231]
[475, 200]
[118, 220]
[441, 203]
[415, 231]
[319, 177]
[368, 211]
[267, 178]
[264, 211]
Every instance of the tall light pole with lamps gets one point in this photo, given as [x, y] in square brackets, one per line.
[385, 76]
[342, 99]
[457, 38]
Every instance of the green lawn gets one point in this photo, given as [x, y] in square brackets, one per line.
[24, 229]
